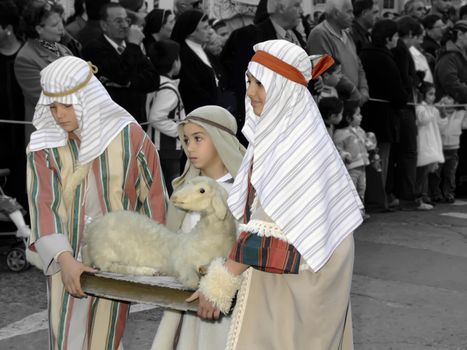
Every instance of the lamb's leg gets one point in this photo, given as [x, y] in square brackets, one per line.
[130, 270]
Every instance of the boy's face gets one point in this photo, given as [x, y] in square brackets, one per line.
[64, 116]
[201, 150]
[332, 79]
[335, 119]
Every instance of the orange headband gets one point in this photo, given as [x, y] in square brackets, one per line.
[280, 67]
[290, 72]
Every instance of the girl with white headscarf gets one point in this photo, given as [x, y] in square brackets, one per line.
[87, 157]
[300, 208]
[213, 129]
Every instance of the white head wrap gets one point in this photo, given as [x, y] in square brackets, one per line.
[298, 175]
[100, 119]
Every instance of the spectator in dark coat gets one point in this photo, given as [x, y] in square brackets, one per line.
[434, 29]
[409, 30]
[198, 82]
[450, 71]
[382, 117]
[92, 29]
[159, 24]
[366, 13]
[123, 69]
[280, 22]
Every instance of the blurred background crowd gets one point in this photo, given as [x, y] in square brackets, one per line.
[393, 100]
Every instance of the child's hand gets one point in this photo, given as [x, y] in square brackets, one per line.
[206, 310]
[346, 157]
[71, 272]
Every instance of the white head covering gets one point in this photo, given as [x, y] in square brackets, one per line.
[298, 175]
[100, 119]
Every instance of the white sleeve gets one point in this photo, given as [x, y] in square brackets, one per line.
[164, 102]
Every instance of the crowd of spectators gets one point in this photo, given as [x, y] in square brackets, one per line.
[162, 64]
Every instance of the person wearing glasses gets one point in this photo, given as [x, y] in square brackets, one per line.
[125, 71]
[415, 9]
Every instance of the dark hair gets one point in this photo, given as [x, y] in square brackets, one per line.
[462, 11]
[334, 66]
[430, 20]
[350, 107]
[361, 5]
[79, 10]
[93, 8]
[425, 87]
[155, 20]
[9, 14]
[105, 9]
[383, 30]
[132, 5]
[408, 25]
[451, 33]
[330, 105]
[35, 13]
[218, 23]
[163, 54]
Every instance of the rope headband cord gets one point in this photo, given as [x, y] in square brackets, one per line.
[280, 67]
[210, 122]
[92, 71]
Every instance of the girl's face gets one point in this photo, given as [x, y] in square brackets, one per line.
[201, 150]
[65, 116]
[166, 29]
[51, 29]
[257, 94]
[392, 43]
[356, 118]
[430, 96]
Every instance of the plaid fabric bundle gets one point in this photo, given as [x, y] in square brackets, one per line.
[267, 254]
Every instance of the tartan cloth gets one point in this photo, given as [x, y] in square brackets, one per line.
[267, 254]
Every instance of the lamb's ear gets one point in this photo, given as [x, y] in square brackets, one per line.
[219, 206]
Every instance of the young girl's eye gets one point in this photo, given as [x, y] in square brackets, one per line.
[198, 139]
[185, 141]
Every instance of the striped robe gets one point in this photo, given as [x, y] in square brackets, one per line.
[127, 176]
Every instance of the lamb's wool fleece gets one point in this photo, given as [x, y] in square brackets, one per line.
[131, 243]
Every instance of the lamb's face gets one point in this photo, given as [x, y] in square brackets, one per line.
[199, 194]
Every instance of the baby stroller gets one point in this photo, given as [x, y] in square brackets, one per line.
[15, 240]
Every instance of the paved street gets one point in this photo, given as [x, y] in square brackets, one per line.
[409, 288]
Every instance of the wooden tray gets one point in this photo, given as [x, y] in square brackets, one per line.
[162, 291]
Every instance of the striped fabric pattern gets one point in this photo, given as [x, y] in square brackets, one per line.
[301, 182]
[91, 323]
[100, 119]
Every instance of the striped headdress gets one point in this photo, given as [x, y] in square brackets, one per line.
[70, 80]
[297, 173]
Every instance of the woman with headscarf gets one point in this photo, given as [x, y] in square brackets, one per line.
[213, 150]
[199, 84]
[158, 26]
[299, 208]
[87, 157]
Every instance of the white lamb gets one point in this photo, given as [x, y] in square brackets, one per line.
[131, 243]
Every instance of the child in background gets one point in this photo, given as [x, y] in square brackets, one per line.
[164, 108]
[451, 124]
[331, 78]
[352, 143]
[429, 145]
[331, 110]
